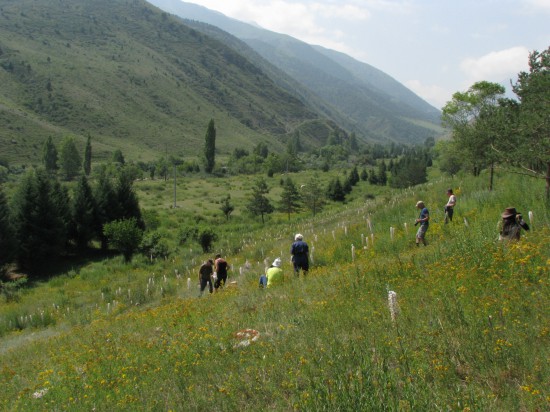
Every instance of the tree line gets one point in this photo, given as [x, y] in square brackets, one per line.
[490, 130]
[45, 220]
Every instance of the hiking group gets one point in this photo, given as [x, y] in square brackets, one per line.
[299, 252]
[509, 227]
[213, 273]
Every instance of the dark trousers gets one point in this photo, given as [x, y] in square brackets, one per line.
[221, 278]
[205, 282]
[300, 262]
[448, 214]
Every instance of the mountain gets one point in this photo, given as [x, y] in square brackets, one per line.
[133, 78]
[356, 95]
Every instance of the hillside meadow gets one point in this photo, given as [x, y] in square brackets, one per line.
[468, 329]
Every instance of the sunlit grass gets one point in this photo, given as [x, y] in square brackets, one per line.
[471, 330]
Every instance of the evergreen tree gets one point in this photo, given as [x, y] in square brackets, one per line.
[37, 223]
[347, 187]
[373, 177]
[382, 177]
[210, 147]
[62, 204]
[49, 156]
[107, 208]
[312, 196]
[290, 198]
[87, 165]
[128, 203]
[364, 175]
[258, 204]
[335, 191]
[70, 159]
[84, 221]
[118, 158]
[7, 244]
[410, 170]
[354, 176]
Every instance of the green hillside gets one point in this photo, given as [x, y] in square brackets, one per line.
[133, 78]
[355, 95]
[469, 329]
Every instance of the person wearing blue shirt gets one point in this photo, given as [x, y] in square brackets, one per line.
[300, 254]
[424, 221]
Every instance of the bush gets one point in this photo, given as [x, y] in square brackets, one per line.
[124, 235]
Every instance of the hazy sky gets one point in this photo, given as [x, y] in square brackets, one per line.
[434, 47]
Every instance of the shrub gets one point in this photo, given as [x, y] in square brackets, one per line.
[124, 235]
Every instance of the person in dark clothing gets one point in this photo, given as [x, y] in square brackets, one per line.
[511, 224]
[300, 255]
[220, 267]
[205, 275]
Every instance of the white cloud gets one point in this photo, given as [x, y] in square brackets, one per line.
[436, 95]
[543, 5]
[495, 66]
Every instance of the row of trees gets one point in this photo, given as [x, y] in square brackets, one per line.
[45, 220]
[489, 129]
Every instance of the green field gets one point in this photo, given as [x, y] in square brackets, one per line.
[471, 332]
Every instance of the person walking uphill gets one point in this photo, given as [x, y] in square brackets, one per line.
[424, 221]
[220, 267]
[449, 207]
[205, 275]
[300, 254]
[511, 224]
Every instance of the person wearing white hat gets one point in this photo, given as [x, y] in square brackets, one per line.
[275, 274]
[300, 254]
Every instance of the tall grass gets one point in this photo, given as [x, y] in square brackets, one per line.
[471, 330]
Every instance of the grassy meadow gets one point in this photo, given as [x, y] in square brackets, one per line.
[469, 331]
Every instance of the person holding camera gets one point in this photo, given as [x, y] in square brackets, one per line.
[511, 224]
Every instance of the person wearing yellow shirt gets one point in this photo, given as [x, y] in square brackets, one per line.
[275, 274]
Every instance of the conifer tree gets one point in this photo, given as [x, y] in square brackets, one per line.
[290, 198]
[49, 156]
[335, 191]
[7, 244]
[62, 204]
[312, 196]
[128, 203]
[83, 227]
[37, 223]
[258, 204]
[70, 159]
[382, 177]
[106, 205]
[210, 147]
[87, 165]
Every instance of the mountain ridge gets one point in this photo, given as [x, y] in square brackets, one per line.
[339, 80]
